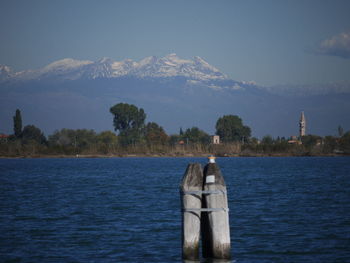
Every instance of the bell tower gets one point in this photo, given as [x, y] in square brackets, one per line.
[302, 125]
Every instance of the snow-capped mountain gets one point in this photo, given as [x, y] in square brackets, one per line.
[172, 66]
[168, 66]
[5, 72]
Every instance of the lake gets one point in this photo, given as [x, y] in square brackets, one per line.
[128, 209]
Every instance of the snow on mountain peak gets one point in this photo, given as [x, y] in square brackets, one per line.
[5, 72]
[200, 60]
[171, 66]
[171, 55]
[168, 66]
[175, 59]
[105, 60]
[5, 69]
[66, 64]
[147, 60]
[204, 65]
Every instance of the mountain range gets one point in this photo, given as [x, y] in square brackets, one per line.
[70, 69]
[174, 92]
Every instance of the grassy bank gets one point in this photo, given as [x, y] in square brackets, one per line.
[33, 149]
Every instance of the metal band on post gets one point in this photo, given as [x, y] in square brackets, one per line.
[205, 209]
[205, 192]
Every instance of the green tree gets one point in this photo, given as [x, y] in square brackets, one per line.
[73, 141]
[174, 139]
[31, 133]
[107, 141]
[345, 142]
[85, 138]
[281, 146]
[129, 121]
[155, 134]
[17, 124]
[230, 128]
[267, 143]
[64, 137]
[195, 135]
[267, 140]
[310, 140]
[330, 144]
[253, 141]
[107, 137]
[181, 132]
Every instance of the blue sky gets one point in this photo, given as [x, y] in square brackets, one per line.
[270, 42]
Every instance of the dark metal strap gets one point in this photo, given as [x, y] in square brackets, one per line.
[205, 209]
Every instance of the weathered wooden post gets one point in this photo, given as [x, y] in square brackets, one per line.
[191, 199]
[215, 220]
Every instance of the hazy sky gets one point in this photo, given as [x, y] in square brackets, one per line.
[270, 42]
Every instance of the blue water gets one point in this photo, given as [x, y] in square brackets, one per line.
[128, 209]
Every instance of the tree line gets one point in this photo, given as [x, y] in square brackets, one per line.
[308, 145]
[133, 135]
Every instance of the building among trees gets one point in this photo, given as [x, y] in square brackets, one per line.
[294, 140]
[215, 139]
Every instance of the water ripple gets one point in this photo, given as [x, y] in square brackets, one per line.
[128, 210]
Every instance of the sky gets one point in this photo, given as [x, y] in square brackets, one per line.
[269, 42]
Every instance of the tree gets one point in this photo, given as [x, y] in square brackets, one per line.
[129, 121]
[107, 137]
[155, 134]
[127, 117]
[310, 140]
[181, 132]
[31, 133]
[345, 142]
[267, 143]
[174, 139]
[254, 141]
[73, 141]
[330, 144]
[85, 138]
[230, 128]
[64, 137]
[267, 140]
[107, 142]
[17, 124]
[281, 146]
[195, 135]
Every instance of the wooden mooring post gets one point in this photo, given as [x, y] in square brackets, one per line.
[205, 211]
[215, 223]
[191, 199]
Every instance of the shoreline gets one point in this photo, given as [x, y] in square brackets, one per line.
[77, 156]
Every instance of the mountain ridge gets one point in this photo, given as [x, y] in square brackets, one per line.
[72, 69]
[196, 70]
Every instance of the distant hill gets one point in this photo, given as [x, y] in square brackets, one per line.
[174, 92]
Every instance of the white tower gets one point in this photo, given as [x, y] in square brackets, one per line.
[302, 125]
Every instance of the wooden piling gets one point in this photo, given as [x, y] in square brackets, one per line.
[191, 199]
[215, 223]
